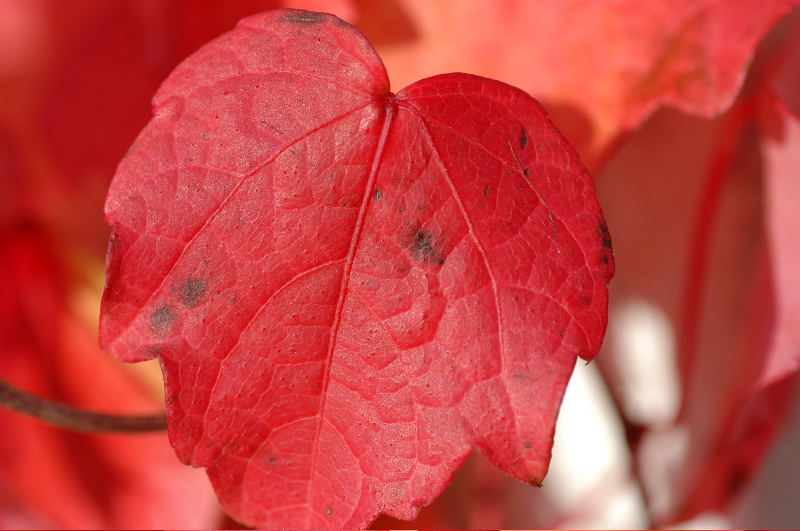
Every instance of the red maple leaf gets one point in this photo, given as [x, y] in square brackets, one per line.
[349, 290]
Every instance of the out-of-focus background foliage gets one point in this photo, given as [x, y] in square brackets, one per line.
[685, 111]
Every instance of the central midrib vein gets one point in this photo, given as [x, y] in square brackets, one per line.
[348, 267]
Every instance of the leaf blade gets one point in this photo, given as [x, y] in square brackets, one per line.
[332, 332]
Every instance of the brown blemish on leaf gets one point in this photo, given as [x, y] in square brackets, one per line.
[154, 352]
[604, 235]
[523, 138]
[171, 398]
[161, 319]
[422, 248]
[112, 241]
[377, 196]
[528, 445]
[302, 16]
[423, 244]
[191, 291]
[328, 511]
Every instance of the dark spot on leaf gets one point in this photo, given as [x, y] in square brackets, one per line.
[191, 291]
[562, 333]
[521, 376]
[301, 16]
[423, 243]
[526, 171]
[535, 483]
[377, 196]
[421, 207]
[528, 445]
[112, 241]
[585, 299]
[336, 20]
[423, 250]
[162, 319]
[171, 398]
[605, 236]
[486, 191]
[328, 511]
[154, 351]
[604, 260]
[523, 138]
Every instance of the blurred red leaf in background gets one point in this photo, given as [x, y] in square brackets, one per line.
[699, 201]
[601, 67]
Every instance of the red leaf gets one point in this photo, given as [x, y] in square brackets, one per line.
[349, 290]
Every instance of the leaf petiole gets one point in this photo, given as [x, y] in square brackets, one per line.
[76, 419]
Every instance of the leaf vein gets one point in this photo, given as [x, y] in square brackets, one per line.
[225, 200]
[354, 241]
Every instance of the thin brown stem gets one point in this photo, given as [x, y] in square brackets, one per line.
[76, 419]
